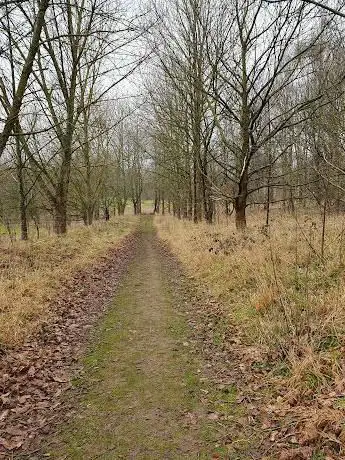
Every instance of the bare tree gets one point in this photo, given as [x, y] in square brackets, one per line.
[182, 55]
[79, 38]
[18, 95]
[262, 51]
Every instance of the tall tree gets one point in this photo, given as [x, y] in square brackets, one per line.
[26, 69]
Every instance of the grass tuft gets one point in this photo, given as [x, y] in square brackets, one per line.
[32, 272]
[285, 296]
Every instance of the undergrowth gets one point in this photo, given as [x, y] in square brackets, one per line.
[32, 272]
[276, 286]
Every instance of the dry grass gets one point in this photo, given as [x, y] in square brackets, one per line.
[275, 286]
[32, 272]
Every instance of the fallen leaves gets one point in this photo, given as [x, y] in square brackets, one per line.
[35, 377]
[61, 379]
[273, 417]
[14, 443]
[300, 453]
[288, 424]
[4, 414]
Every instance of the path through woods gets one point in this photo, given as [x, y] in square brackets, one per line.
[142, 398]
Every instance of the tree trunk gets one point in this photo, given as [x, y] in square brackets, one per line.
[89, 215]
[157, 202]
[60, 218]
[227, 205]
[121, 208]
[291, 203]
[240, 219]
[241, 202]
[163, 205]
[208, 204]
[197, 205]
[269, 195]
[37, 225]
[241, 198]
[22, 195]
[24, 234]
[185, 208]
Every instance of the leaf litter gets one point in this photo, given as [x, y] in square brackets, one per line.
[35, 377]
[274, 420]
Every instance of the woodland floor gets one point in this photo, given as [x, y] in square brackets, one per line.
[141, 378]
[162, 377]
[139, 391]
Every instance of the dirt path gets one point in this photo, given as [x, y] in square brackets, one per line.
[142, 398]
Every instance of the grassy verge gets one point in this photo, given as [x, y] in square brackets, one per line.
[286, 297]
[32, 272]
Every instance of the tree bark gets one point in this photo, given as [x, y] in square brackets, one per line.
[60, 218]
[24, 234]
[241, 202]
[163, 204]
[23, 205]
[157, 202]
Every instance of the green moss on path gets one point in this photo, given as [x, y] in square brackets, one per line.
[141, 382]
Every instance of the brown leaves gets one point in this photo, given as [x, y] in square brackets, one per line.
[300, 453]
[12, 444]
[34, 377]
[4, 414]
[31, 372]
[309, 435]
[277, 418]
[61, 379]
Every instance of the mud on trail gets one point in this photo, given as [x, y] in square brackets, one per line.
[142, 381]
[155, 381]
[35, 376]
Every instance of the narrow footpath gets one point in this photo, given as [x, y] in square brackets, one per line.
[140, 385]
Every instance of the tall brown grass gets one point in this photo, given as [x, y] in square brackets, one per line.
[32, 272]
[274, 284]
